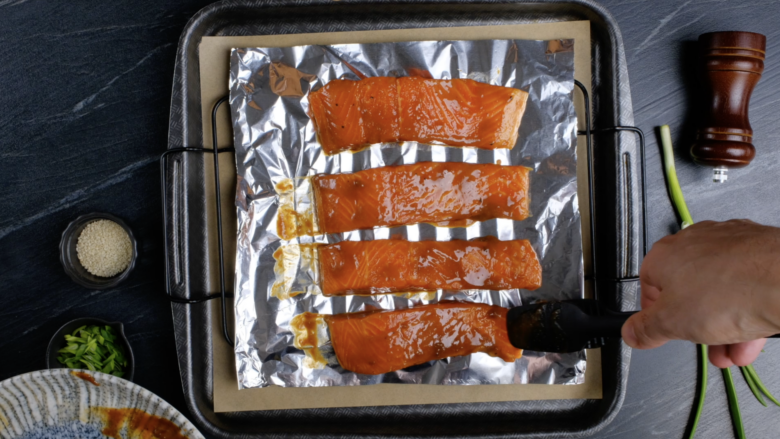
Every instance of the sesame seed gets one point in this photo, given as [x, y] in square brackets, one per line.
[104, 248]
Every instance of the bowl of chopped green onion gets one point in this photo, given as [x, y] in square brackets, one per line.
[92, 344]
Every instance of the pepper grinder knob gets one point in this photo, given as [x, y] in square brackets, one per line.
[732, 64]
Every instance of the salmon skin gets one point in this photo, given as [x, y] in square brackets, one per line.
[390, 266]
[376, 342]
[443, 194]
[351, 115]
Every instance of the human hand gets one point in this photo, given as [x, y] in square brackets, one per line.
[712, 283]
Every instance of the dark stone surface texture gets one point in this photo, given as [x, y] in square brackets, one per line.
[84, 116]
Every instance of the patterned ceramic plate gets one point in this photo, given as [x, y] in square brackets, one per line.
[66, 403]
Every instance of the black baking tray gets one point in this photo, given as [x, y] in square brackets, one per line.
[617, 194]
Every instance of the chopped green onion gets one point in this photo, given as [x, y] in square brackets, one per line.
[731, 392]
[93, 348]
[88, 364]
[82, 349]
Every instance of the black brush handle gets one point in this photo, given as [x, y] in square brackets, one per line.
[608, 324]
[565, 326]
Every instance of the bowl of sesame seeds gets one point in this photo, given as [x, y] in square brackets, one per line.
[98, 250]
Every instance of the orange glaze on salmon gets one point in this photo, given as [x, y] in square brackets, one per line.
[425, 192]
[389, 266]
[350, 115]
[375, 342]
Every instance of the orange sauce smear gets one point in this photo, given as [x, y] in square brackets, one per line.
[139, 423]
[305, 327]
[388, 266]
[288, 260]
[86, 377]
[425, 192]
[376, 342]
[349, 115]
[291, 223]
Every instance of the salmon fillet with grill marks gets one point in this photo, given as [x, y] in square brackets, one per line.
[350, 115]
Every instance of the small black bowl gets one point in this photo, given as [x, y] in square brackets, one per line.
[58, 342]
[70, 259]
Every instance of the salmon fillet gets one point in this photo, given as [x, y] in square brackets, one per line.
[350, 115]
[427, 192]
[376, 342]
[389, 266]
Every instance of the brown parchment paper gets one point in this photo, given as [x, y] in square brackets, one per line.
[214, 74]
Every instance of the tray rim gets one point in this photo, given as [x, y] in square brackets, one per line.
[179, 132]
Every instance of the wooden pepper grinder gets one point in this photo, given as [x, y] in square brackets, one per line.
[732, 64]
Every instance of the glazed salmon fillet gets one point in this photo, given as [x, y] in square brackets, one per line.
[439, 193]
[389, 266]
[446, 194]
[376, 342]
[350, 115]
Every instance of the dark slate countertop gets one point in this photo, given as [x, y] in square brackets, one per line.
[85, 100]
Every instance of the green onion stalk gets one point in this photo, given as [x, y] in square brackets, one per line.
[750, 374]
[678, 200]
[731, 393]
[671, 178]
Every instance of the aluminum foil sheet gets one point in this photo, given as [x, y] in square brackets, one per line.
[275, 140]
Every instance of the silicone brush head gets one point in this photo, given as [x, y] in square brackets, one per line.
[567, 326]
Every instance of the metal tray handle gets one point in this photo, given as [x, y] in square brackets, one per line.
[169, 192]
